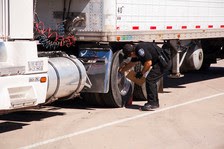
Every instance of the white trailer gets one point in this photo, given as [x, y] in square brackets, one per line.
[193, 29]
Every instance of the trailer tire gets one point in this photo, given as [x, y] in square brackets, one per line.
[118, 95]
[205, 65]
[139, 94]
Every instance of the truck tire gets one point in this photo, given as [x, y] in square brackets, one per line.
[205, 66]
[211, 49]
[193, 60]
[139, 93]
[121, 89]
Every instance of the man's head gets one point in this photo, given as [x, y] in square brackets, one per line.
[128, 49]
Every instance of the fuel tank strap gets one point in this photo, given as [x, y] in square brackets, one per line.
[52, 98]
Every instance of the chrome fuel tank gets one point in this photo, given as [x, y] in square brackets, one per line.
[67, 76]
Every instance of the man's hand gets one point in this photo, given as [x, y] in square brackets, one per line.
[138, 75]
[126, 67]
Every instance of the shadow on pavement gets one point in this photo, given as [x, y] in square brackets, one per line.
[10, 126]
[76, 103]
[29, 116]
[17, 120]
[133, 106]
[192, 77]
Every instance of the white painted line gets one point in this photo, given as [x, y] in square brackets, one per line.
[117, 122]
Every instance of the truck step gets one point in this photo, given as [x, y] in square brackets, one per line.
[22, 96]
[20, 103]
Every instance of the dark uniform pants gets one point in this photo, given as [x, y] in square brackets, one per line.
[151, 84]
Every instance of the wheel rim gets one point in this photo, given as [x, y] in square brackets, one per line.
[123, 84]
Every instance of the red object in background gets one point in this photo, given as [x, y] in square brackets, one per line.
[129, 102]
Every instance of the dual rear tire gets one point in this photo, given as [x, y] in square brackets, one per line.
[120, 90]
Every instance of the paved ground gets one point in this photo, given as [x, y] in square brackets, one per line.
[191, 116]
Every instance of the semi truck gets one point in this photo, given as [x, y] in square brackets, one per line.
[61, 49]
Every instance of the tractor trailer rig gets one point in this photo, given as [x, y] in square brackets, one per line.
[59, 49]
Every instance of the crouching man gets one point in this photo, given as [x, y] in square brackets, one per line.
[148, 56]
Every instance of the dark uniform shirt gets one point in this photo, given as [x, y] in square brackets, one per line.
[145, 52]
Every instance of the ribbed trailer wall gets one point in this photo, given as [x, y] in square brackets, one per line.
[169, 14]
[148, 20]
[51, 12]
[126, 20]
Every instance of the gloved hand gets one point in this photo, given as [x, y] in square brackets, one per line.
[138, 75]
